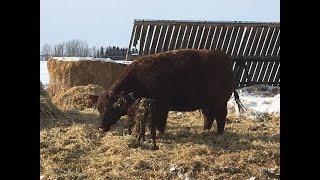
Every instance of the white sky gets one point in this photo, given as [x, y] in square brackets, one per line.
[109, 22]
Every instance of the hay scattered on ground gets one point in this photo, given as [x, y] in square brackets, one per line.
[76, 98]
[47, 108]
[76, 150]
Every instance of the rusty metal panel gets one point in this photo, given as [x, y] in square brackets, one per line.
[223, 35]
[205, 23]
[142, 38]
[262, 40]
[226, 38]
[272, 42]
[209, 37]
[191, 37]
[173, 41]
[180, 37]
[155, 39]
[215, 37]
[185, 37]
[246, 39]
[197, 37]
[166, 42]
[238, 41]
[231, 40]
[266, 47]
[149, 36]
[161, 39]
[136, 35]
[203, 37]
[276, 48]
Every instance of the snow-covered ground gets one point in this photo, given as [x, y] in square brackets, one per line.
[44, 75]
[90, 59]
[258, 102]
[264, 99]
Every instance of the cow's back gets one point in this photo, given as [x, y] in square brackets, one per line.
[185, 79]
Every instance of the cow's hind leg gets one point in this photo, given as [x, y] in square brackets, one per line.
[220, 112]
[208, 114]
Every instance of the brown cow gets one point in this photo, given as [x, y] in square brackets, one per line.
[178, 80]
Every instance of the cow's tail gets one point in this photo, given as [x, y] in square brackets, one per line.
[240, 105]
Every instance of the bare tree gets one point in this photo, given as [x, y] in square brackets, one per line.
[85, 50]
[59, 50]
[77, 48]
[93, 52]
[46, 51]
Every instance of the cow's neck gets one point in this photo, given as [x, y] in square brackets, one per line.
[126, 83]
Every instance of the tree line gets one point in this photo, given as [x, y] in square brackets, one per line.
[79, 48]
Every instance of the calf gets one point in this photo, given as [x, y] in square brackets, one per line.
[141, 114]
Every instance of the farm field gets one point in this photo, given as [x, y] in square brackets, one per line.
[71, 147]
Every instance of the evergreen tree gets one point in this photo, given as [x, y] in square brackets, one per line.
[101, 52]
[98, 53]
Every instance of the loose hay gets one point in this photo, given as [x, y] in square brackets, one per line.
[47, 108]
[249, 148]
[76, 98]
[65, 74]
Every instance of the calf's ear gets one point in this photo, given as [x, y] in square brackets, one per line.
[94, 100]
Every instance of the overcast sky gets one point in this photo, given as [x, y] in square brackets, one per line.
[109, 22]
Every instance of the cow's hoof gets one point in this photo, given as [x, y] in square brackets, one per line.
[101, 129]
[219, 136]
[155, 148]
[206, 130]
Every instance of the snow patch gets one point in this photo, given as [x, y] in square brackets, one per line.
[90, 59]
[264, 102]
[44, 75]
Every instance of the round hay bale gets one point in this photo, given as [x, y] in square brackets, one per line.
[47, 108]
[77, 97]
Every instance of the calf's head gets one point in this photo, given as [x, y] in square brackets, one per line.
[111, 107]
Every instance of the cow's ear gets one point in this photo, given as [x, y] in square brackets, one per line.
[94, 100]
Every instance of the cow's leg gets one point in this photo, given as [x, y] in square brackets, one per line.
[153, 135]
[220, 112]
[208, 118]
[161, 118]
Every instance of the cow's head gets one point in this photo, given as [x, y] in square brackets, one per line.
[111, 107]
